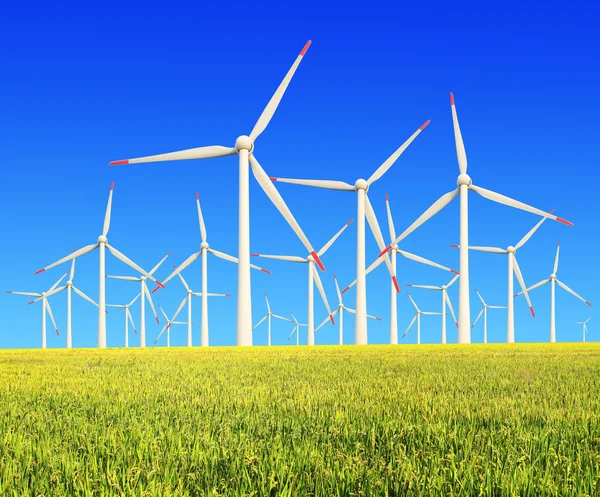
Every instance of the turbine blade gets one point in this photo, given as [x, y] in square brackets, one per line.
[130, 263]
[149, 297]
[326, 320]
[351, 311]
[53, 292]
[127, 278]
[375, 264]
[337, 289]
[496, 307]
[492, 250]
[480, 297]
[83, 295]
[537, 285]
[130, 320]
[159, 264]
[280, 317]
[452, 281]
[28, 294]
[179, 308]
[333, 239]
[478, 316]
[259, 323]
[374, 317]
[376, 230]
[522, 283]
[136, 297]
[556, 259]
[163, 313]
[422, 260]
[201, 219]
[181, 267]
[161, 332]
[108, 209]
[72, 269]
[431, 313]
[427, 287]
[271, 107]
[381, 170]
[47, 304]
[73, 255]
[460, 146]
[230, 258]
[390, 220]
[447, 299]
[531, 232]
[268, 187]
[185, 285]
[289, 258]
[58, 282]
[317, 183]
[410, 326]
[317, 279]
[413, 302]
[565, 287]
[268, 306]
[210, 152]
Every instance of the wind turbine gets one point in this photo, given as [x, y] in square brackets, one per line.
[268, 317]
[364, 208]
[484, 312]
[445, 302]
[553, 279]
[394, 251]
[145, 295]
[296, 330]
[513, 268]
[127, 317]
[188, 299]
[101, 244]
[464, 185]
[68, 287]
[585, 330]
[340, 310]
[244, 148]
[45, 306]
[168, 324]
[204, 250]
[313, 276]
[418, 318]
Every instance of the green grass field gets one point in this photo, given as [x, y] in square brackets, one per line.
[293, 421]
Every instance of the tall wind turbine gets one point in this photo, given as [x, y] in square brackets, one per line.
[128, 317]
[445, 302]
[69, 286]
[340, 310]
[45, 306]
[364, 208]
[585, 330]
[188, 299]
[394, 251]
[464, 185]
[296, 330]
[101, 244]
[553, 279]
[168, 324]
[145, 295]
[244, 148]
[484, 312]
[513, 268]
[204, 250]
[268, 318]
[417, 317]
[313, 276]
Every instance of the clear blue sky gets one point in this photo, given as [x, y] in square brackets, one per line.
[83, 87]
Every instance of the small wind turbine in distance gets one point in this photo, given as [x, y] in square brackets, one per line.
[585, 330]
[128, 317]
[268, 318]
[484, 312]
[68, 287]
[296, 330]
[395, 250]
[188, 299]
[168, 324]
[340, 310]
[417, 317]
[101, 244]
[145, 295]
[513, 268]
[553, 279]
[445, 302]
[364, 208]
[313, 276]
[45, 306]
[464, 185]
[244, 148]
[204, 250]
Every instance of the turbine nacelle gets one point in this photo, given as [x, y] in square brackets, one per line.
[361, 184]
[310, 258]
[552, 276]
[464, 179]
[102, 239]
[204, 246]
[511, 250]
[244, 143]
[143, 278]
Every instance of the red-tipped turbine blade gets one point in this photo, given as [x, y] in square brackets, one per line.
[564, 221]
[118, 163]
[331, 317]
[317, 260]
[345, 289]
[396, 284]
[387, 249]
[532, 313]
[425, 124]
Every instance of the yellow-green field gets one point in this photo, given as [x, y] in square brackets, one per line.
[293, 421]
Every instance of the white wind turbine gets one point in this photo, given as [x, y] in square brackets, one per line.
[585, 330]
[204, 250]
[340, 310]
[484, 312]
[464, 185]
[188, 299]
[313, 276]
[168, 324]
[513, 268]
[68, 287]
[417, 317]
[296, 330]
[268, 317]
[365, 208]
[553, 279]
[145, 295]
[244, 148]
[45, 306]
[101, 244]
[128, 317]
[445, 302]
[394, 251]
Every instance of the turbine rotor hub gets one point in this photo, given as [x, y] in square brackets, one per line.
[102, 239]
[464, 179]
[310, 258]
[511, 250]
[552, 276]
[244, 143]
[204, 246]
[361, 184]
[143, 278]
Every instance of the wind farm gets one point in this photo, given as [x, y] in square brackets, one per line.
[433, 376]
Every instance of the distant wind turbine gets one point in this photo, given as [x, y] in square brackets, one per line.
[585, 330]
[268, 318]
[128, 317]
[417, 317]
[484, 312]
[296, 330]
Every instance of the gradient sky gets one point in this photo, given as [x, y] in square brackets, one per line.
[83, 87]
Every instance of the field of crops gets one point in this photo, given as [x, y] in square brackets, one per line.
[294, 421]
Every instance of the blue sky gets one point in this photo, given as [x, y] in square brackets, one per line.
[82, 88]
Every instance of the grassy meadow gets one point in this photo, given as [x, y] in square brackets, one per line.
[293, 421]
